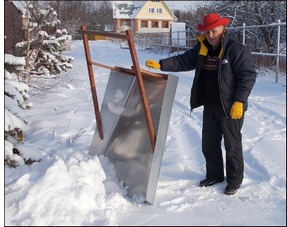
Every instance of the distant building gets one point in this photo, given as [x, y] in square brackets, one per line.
[142, 16]
[13, 27]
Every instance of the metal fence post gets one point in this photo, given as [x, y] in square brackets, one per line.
[278, 52]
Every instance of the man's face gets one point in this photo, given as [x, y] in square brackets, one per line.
[214, 35]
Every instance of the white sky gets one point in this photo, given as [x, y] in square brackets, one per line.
[182, 5]
[173, 5]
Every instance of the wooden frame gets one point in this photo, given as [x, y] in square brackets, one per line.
[134, 71]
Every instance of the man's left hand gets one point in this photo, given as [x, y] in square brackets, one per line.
[236, 111]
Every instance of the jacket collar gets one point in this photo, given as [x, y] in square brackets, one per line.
[203, 47]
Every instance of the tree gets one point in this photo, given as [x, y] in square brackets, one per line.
[44, 41]
[42, 55]
[72, 15]
[103, 15]
[96, 15]
[255, 13]
[248, 12]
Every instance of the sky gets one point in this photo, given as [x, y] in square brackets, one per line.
[182, 5]
[70, 187]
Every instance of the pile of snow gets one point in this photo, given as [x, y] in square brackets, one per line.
[68, 187]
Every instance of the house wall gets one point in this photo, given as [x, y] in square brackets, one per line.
[121, 25]
[145, 12]
[154, 12]
[13, 30]
[150, 28]
[151, 13]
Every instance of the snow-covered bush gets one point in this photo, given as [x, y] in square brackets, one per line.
[45, 43]
[49, 57]
[16, 101]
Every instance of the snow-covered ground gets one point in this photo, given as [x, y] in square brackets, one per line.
[68, 187]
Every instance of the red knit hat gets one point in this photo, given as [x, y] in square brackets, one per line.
[212, 20]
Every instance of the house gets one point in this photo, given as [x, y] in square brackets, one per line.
[142, 16]
[13, 27]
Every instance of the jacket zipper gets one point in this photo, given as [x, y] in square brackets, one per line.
[219, 86]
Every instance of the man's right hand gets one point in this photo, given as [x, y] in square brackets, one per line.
[152, 64]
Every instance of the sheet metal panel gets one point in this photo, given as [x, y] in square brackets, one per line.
[115, 98]
[126, 141]
[162, 131]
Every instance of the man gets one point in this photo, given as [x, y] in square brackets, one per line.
[224, 77]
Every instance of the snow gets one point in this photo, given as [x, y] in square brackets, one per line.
[15, 92]
[68, 187]
[10, 59]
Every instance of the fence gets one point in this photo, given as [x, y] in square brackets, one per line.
[248, 35]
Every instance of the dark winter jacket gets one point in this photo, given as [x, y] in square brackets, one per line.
[236, 71]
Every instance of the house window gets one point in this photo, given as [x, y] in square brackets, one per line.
[144, 24]
[154, 24]
[159, 10]
[165, 24]
[151, 10]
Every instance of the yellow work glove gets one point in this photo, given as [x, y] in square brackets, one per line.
[152, 64]
[236, 111]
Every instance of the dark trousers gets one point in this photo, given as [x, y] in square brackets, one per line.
[216, 125]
